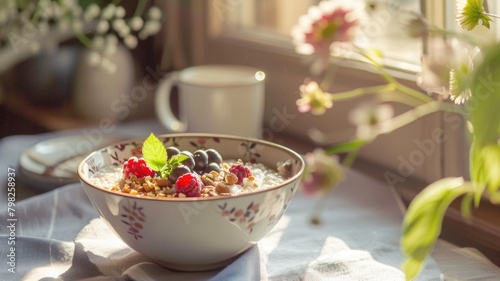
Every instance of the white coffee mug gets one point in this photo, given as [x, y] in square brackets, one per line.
[223, 99]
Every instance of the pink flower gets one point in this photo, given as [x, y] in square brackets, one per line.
[329, 22]
[313, 99]
[322, 172]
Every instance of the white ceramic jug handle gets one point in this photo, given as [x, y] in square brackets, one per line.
[162, 104]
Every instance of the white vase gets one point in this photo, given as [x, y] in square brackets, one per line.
[100, 94]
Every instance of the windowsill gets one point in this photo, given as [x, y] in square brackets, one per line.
[481, 232]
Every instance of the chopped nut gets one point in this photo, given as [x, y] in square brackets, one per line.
[207, 181]
[213, 193]
[126, 188]
[206, 189]
[162, 182]
[146, 187]
[170, 191]
[214, 174]
[140, 181]
[231, 178]
[222, 188]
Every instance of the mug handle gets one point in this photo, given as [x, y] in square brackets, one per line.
[162, 104]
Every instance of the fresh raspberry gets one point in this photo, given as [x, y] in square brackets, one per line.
[137, 167]
[241, 172]
[189, 184]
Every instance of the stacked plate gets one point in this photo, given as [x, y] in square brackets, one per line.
[54, 162]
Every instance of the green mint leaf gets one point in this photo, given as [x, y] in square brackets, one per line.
[154, 153]
[165, 171]
[172, 162]
[177, 159]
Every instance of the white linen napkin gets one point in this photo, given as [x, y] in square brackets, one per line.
[114, 259]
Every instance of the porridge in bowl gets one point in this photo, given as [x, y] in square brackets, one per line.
[239, 203]
[171, 173]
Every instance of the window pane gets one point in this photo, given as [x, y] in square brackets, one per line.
[385, 29]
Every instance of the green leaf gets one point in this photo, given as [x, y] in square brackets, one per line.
[485, 98]
[411, 268]
[423, 220]
[177, 159]
[485, 122]
[154, 153]
[172, 162]
[346, 147]
[485, 166]
[491, 156]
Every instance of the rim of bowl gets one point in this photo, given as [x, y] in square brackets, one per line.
[188, 199]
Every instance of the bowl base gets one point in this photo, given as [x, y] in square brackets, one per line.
[195, 267]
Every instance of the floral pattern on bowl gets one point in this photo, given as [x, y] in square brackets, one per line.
[244, 217]
[134, 217]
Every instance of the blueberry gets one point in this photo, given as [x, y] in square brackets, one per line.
[189, 162]
[213, 156]
[171, 151]
[177, 172]
[200, 160]
[211, 167]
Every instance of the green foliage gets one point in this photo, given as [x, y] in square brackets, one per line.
[155, 155]
[346, 147]
[423, 220]
[485, 121]
[173, 162]
[422, 223]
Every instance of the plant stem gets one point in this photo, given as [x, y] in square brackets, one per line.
[347, 95]
[411, 97]
[349, 159]
[318, 207]
[141, 6]
[83, 39]
[414, 93]
[414, 114]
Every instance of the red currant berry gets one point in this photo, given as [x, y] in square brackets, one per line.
[138, 167]
[189, 184]
[241, 172]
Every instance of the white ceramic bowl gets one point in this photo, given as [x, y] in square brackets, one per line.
[193, 234]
